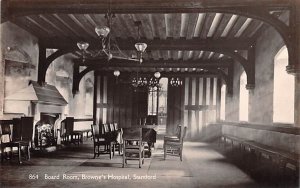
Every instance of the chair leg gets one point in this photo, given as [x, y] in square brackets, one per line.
[123, 156]
[165, 152]
[94, 151]
[98, 150]
[140, 158]
[28, 152]
[19, 153]
[2, 154]
[180, 154]
[114, 148]
[110, 150]
[143, 156]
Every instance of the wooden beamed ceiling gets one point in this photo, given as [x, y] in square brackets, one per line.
[180, 33]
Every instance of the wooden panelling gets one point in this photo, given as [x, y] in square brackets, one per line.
[175, 107]
[118, 102]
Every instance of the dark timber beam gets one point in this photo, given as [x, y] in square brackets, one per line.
[294, 58]
[29, 7]
[294, 49]
[208, 44]
[77, 76]
[76, 80]
[44, 62]
[251, 68]
[42, 67]
[101, 63]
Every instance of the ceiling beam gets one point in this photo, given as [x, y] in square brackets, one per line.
[208, 44]
[28, 7]
[102, 63]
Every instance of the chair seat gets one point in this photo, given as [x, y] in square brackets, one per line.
[100, 139]
[136, 147]
[133, 151]
[170, 137]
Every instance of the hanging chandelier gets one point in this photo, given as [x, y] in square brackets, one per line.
[108, 47]
[176, 82]
[143, 81]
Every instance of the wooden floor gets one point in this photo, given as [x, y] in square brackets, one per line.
[203, 165]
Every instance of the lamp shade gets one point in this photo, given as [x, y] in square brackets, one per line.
[117, 73]
[140, 47]
[102, 31]
[82, 45]
[157, 74]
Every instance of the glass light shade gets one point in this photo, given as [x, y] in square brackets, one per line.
[117, 73]
[157, 74]
[140, 47]
[82, 45]
[102, 31]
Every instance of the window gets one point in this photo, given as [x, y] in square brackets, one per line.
[284, 89]
[244, 98]
[162, 100]
[152, 101]
[223, 102]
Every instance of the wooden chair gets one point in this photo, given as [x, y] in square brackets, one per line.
[174, 147]
[99, 140]
[20, 139]
[174, 137]
[116, 136]
[130, 150]
[72, 136]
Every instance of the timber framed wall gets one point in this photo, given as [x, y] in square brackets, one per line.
[195, 104]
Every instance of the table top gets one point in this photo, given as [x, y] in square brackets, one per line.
[147, 126]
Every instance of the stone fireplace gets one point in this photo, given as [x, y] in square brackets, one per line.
[45, 104]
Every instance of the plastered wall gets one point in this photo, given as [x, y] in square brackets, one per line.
[16, 73]
[261, 97]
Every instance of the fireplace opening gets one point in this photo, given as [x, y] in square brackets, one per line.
[46, 130]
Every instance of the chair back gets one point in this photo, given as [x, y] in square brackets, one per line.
[95, 131]
[63, 128]
[111, 127]
[69, 125]
[5, 128]
[26, 128]
[182, 133]
[17, 130]
[133, 133]
[178, 131]
[116, 126]
[105, 128]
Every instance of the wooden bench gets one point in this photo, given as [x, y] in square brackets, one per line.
[282, 158]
